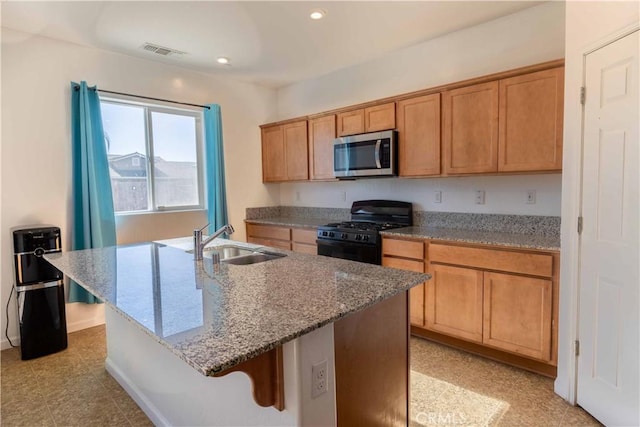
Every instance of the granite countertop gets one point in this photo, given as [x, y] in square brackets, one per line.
[292, 221]
[514, 240]
[217, 316]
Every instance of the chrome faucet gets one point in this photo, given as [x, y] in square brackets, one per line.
[199, 244]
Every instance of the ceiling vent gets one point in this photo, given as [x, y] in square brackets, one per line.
[161, 50]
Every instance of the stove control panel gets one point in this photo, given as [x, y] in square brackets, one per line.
[349, 236]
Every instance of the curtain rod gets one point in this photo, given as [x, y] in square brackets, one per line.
[154, 99]
[147, 97]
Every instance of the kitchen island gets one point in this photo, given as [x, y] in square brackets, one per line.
[173, 323]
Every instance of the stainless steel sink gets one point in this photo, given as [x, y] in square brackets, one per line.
[239, 255]
[253, 258]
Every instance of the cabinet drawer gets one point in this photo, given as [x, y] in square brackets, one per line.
[304, 235]
[493, 259]
[280, 244]
[304, 248]
[269, 232]
[403, 264]
[403, 248]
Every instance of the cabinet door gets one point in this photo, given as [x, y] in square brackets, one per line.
[296, 150]
[273, 159]
[419, 135]
[350, 122]
[517, 314]
[322, 133]
[470, 134]
[380, 117]
[531, 111]
[454, 302]
[416, 294]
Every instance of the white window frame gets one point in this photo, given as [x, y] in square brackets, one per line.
[150, 108]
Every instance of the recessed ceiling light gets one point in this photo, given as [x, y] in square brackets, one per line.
[317, 14]
[223, 60]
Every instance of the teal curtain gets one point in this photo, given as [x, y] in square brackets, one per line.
[214, 159]
[94, 224]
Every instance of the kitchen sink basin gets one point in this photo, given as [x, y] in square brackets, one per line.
[253, 258]
[239, 255]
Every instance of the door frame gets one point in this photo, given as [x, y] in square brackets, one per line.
[571, 248]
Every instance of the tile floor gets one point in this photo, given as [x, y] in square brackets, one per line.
[71, 388]
[530, 397]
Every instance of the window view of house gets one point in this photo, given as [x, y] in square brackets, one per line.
[153, 156]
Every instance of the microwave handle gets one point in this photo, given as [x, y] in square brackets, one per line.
[377, 153]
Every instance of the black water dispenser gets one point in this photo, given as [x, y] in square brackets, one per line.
[40, 291]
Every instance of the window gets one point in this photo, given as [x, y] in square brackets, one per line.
[154, 156]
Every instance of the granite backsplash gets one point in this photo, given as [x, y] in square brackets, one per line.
[523, 224]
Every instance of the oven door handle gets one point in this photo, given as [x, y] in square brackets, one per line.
[377, 153]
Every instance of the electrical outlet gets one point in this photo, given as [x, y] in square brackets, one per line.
[297, 196]
[343, 196]
[531, 197]
[319, 379]
[437, 197]
[479, 197]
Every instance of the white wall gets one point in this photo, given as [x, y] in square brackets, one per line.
[36, 141]
[588, 25]
[503, 194]
[528, 37]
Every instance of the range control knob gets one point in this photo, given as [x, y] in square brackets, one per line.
[365, 238]
[324, 233]
[358, 236]
[331, 234]
[344, 236]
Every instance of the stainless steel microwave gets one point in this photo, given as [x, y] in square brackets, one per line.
[369, 154]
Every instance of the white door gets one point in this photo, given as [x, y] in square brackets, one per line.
[608, 328]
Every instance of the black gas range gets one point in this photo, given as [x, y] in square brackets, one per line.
[359, 239]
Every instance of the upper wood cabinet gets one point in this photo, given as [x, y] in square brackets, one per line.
[509, 125]
[322, 133]
[273, 166]
[510, 122]
[418, 122]
[285, 152]
[350, 122]
[470, 134]
[296, 150]
[370, 119]
[380, 117]
[531, 116]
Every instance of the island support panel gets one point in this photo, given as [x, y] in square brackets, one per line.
[372, 365]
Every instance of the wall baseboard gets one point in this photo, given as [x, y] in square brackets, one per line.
[4, 343]
[85, 324]
[136, 394]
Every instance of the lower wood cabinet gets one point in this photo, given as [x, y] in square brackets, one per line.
[304, 240]
[269, 235]
[518, 314]
[500, 299]
[454, 302]
[407, 255]
[289, 238]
